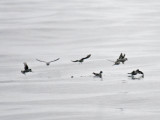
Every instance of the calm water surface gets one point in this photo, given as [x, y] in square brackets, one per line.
[69, 29]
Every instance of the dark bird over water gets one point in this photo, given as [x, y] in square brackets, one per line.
[48, 63]
[135, 72]
[26, 69]
[122, 58]
[98, 74]
[82, 59]
[119, 60]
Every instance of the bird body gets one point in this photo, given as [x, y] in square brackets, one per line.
[98, 74]
[133, 73]
[121, 59]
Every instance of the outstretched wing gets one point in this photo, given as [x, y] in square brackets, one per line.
[124, 56]
[55, 60]
[88, 56]
[75, 61]
[25, 66]
[121, 56]
[40, 60]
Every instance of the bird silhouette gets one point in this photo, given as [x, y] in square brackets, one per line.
[26, 68]
[122, 58]
[82, 59]
[98, 74]
[135, 72]
[48, 63]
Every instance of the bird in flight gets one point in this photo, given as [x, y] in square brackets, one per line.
[48, 63]
[82, 59]
[119, 60]
[26, 68]
[122, 58]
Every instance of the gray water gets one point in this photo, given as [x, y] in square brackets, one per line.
[71, 29]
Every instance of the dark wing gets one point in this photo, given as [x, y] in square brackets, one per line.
[25, 66]
[96, 74]
[88, 56]
[40, 60]
[55, 60]
[75, 61]
[121, 56]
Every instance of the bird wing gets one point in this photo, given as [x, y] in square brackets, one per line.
[121, 56]
[75, 61]
[88, 56]
[55, 60]
[40, 60]
[25, 66]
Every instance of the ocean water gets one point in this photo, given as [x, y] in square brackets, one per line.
[69, 30]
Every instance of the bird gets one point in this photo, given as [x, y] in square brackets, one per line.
[98, 74]
[82, 59]
[26, 68]
[48, 63]
[134, 74]
[122, 58]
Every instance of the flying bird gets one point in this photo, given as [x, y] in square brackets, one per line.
[98, 74]
[26, 68]
[122, 58]
[119, 60]
[48, 63]
[82, 59]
